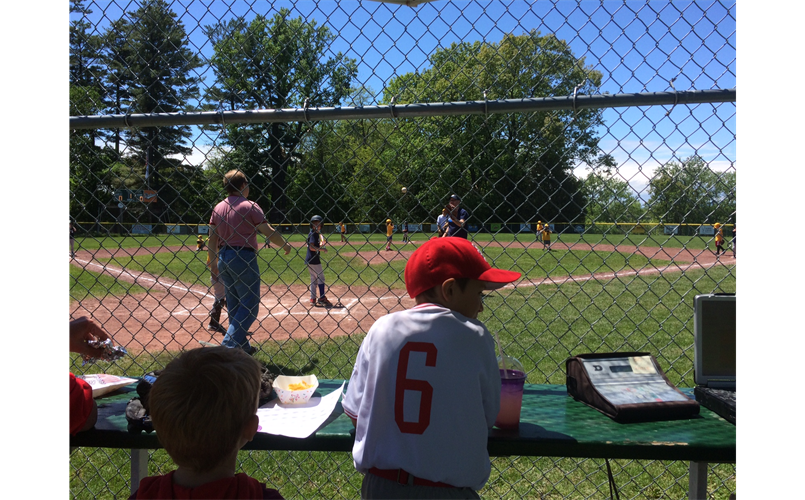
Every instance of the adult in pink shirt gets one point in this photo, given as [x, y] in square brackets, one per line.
[232, 249]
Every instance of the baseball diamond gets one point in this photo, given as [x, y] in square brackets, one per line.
[172, 315]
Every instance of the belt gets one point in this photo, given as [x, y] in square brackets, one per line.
[247, 249]
[402, 477]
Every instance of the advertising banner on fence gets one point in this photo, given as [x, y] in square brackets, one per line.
[706, 230]
[525, 227]
[204, 230]
[141, 229]
[173, 229]
[670, 229]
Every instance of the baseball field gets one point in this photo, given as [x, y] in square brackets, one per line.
[590, 293]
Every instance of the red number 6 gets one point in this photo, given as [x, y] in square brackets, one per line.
[405, 384]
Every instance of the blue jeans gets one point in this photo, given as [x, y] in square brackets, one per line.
[241, 276]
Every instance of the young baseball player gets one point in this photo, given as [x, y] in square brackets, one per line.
[734, 235]
[389, 232]
[425, 388]
[539, 229]
[457, 218]
[316, 245]
[219, 292]
[199, 243]
[546, 236]
[72, 240]
[405, 237]
[719, 238]
[441, 222]
[343, 232]
[204, 407]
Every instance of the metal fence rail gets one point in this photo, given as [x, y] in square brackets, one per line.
[417, 110]
[613, 123]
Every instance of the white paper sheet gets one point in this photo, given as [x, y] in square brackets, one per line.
[103, 383]
[297, 421]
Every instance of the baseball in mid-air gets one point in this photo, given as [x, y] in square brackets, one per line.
[404, 190]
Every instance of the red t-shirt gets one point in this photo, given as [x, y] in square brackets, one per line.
[239, 486]
[80, 403]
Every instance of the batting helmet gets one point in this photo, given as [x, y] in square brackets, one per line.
[316, 218]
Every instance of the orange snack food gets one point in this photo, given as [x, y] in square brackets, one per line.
[301, 386]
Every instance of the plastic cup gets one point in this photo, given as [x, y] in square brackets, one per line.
[512, 380]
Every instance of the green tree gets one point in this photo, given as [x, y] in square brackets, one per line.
[690, 192]
[342, 173]
[86, 69]
[162, 80]
[272, 64]
[610, 199]
[90, 187]
[117, 53]
[512, 167]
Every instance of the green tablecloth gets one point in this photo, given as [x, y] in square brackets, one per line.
[551, 424]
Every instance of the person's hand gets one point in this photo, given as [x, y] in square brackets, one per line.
[82, 330]
[287, 248]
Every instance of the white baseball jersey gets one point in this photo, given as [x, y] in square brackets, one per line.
[425, 391]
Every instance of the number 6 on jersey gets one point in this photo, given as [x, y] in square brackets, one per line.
[422, 386]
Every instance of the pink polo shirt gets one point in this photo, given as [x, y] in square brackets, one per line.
[235, 220]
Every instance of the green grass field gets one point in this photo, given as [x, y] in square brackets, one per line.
[358, 239]
[85, 284]
[541, 326]
[341, 268]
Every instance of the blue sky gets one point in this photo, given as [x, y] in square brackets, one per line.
[638, 47]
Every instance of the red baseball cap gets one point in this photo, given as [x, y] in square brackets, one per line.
[439, 259]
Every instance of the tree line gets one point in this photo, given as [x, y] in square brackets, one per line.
[507, 168]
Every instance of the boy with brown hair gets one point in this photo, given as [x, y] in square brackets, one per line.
[425, 388]
[204, 409]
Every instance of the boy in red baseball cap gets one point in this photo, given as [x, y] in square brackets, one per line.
[425, 388]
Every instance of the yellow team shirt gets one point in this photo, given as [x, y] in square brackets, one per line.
[389, 229]
[343, 229]
[546, 233]
[719, 236]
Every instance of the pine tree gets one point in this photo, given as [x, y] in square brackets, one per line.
[117, 52]
[161, 68]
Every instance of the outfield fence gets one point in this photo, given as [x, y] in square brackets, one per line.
[613, 122]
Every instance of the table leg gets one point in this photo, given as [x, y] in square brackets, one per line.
[139, 467]
[697, 481]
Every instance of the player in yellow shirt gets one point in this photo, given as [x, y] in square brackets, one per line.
[546, 237]
[389, 232]
[719, 238]
[539, 229]
[343, 232]
[200, 243]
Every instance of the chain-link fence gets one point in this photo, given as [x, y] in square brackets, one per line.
[610, 124]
